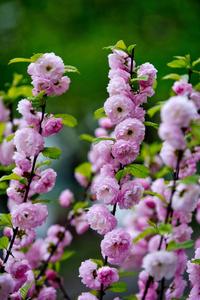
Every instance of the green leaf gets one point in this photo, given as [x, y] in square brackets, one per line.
[9, 138]
[132, 297]
[51, 152]
[79, 205]
[19, 59]
[5, 220]
[192, 179]
[151, 111]
[139, 171]
[97, 261]
[121, 46]
[194, 63]
[130, 48]
[118, 287]
[71, 69]
[99, 113]
[17, 78]
[195, 129]
[155, 194]
[195, 261]
[84, 169]
[127, 273]
[141, 78]
[3, 185]
[172, 76]
[144, 234]
[184, 245]
[197, 87]
[67, 119]
[178, 63]
[164, 228]
[7, 168]
[146, 123]
[86, 137]
[67, 255]
[18, 91]
[24, 289]
[35, 57]
[42, 163]
[97, 140]
[12, 176]
[4, 241]
[2, 128]
[121, 174]
[42, 201]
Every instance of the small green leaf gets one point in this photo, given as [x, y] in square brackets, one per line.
[3, 185]
[121, 46]
[18, 91]
[155, 194]
[71, 69]
[192, 179]
[9, 138]
[86, 137]
[121, 174]
[164, 228]
[42, 163]
[5, 220]
[178, 63]
[24, 289]
[118, 287]
[152, 224]
[18, 59]
[35, 57]
[172, 76]
[42, 201]
[197, 87]
[7, 168]
[132, 297]
[67, 119]
[195, 261]
[51, 152]
[84, 169]
[130, 48]
[141, 78]
[151, 112]
[12, 176]
[145, 233]
[79, 205]
[146, 123]
[99, 113]
[127, 273]
[4, 241]
[184, 245]
[195, 129]
[194, 63]
[97, 140]
[139, 171]
[97, 261]
[67, 255]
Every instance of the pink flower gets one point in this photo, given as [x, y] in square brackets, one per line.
[82, 180]
[105, 123]
[179, 111]
[131, 192]
[182, 87]
[100, 219]
[53, 279]
[119, 108]
[6, 285]
[116, 245]
[28, 112]
[147, 69]
[88, 273]
[173, 134]
[51, 126]
[6, 153]
[87, 296]
[117, 85]
[125, 151]
[25, 238]
[47, 293]
[48, 245]
[33, 254]
[42, 84]
[107, 190]
[176, 288]
[62, 85]
[22, 162]
[80, 221]
[195, 97]
[119, 73]
[57, 231]
[18, 268]
[160, 264]
[46, 182]
[130, 129]
[28, 142]
[107, 275]
[4, 113]
[186, 197]
[66, 198]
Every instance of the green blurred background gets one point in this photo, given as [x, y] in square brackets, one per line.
[77, 30]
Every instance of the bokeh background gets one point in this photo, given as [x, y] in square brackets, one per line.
[77, 30]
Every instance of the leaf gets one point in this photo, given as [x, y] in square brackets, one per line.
[132, 297]
[71, 69]
[130, 48]
[84, 169]
[118, 287]
[127, 273]
[42, 201]
[5, 220]
[195, 261]
[51, 152]
[99, 113]
[7, 168]
[67, 120]
[2, 128]
[35, 57]
[178, 63]
[79, 205]
[4, 241]
[86, 137]
[144, 234]
[139, 171]
[146, 123]
[12, 176]
[97, 140]
[24, 289]
[151, 111]
[17, 91]
[9, 138]
[42, 163]
[121, 174]
[193, 179]
[195, 129]
[19, 59]
[184, 245]
[97, 261]
[141, 78]
[172, 76]
[3, 185]
[121, 46]
[194, 63]
[164, 228]
[67, 254]
[155, 194]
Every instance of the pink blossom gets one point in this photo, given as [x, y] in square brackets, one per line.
[125, 151]
[160, 264]
[53, 279]
[16, 191]
[119, 73]
[186, 197]
[6, 153]
[57, 232]
[47, 293]
[18, 268]
[105, 151]
[42, 213]
[179, 111]
[182, 87]
[105, 123]
[139, 113]
[22, 162]
[87, 296]
[100, 219]
[154, 243]
[42, 84]
[116, 61]
[176, 288]
[181, 233]
[119, 108]
[88, 273]
[28, 112]
[80, 221]
[4, 113]
[117, 85]
[107, 171]
[33, 254]
[182, 260]
[130, 129]
[46, 181]
[48, 245]
[82, 180]
[6, 285]
[107, 275]
[25, 238]
[66, 198]
[107, 190]
[173, 135]
[147, 69]
[130, 194]
[51, 126]
[116, 245]
[142, 282]
[101, 132]
[28, 142]
[195, 97]
[62, 85]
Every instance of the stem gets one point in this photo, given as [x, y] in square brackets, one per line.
[64, 292]
[132, 58]
[162, 286]
[11, 245]
[150, 279]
